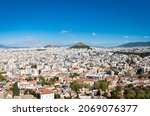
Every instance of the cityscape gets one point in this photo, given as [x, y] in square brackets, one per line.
[74, 49]
[75, 73]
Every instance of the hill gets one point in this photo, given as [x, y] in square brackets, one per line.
[3, 46]
[80, 45]
[10, 47]
[136, 44]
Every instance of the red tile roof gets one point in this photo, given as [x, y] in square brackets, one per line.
[10, 92]
[47, 91]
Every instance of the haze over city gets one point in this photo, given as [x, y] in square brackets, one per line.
[35, 23]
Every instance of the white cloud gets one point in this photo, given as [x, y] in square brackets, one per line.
[93, 34]
[64, 31]
[126, 36]
[146, 37]
[67, 33]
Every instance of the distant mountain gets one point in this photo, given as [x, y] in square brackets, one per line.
[136, 44]
[3, 46]
[81, 45]
[51, 46]
[10, 47]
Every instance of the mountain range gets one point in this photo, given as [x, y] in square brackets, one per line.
[3, 46]
[8, 47]
[136, 44]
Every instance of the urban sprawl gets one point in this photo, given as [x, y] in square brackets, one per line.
[63, 73]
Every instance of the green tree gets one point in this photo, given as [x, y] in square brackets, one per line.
[147, 96]
[42, 81]
[106, 95]
[16, 90]
[29, 79]
[34, 66]
[130, 94]
[30, 91]
[147, 91]
[118, 88]
[116, 94]
[101, 84]
[130, 86]
[2, 78]
[75, 86]
[141, 94]
[53, 80]
[85, 85]
[56, 96]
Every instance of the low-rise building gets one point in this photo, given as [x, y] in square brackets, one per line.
[46, 94]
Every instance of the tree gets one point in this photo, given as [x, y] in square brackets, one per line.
[30, 91]
[141, 94]
[75, 86]
[34, 66]
[56, 96]
[130, 94]
[86, 85]
[42, 81]
[16, 90]
[53, 80]
[147, 96]
[106, 95]
[101, 84]
[116, 94]
[2, 78]
[119, 88]
[29, 79]
[130, 86]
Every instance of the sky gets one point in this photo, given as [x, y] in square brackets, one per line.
[35, 23]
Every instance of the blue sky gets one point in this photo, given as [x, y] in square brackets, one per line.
[95, 22]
